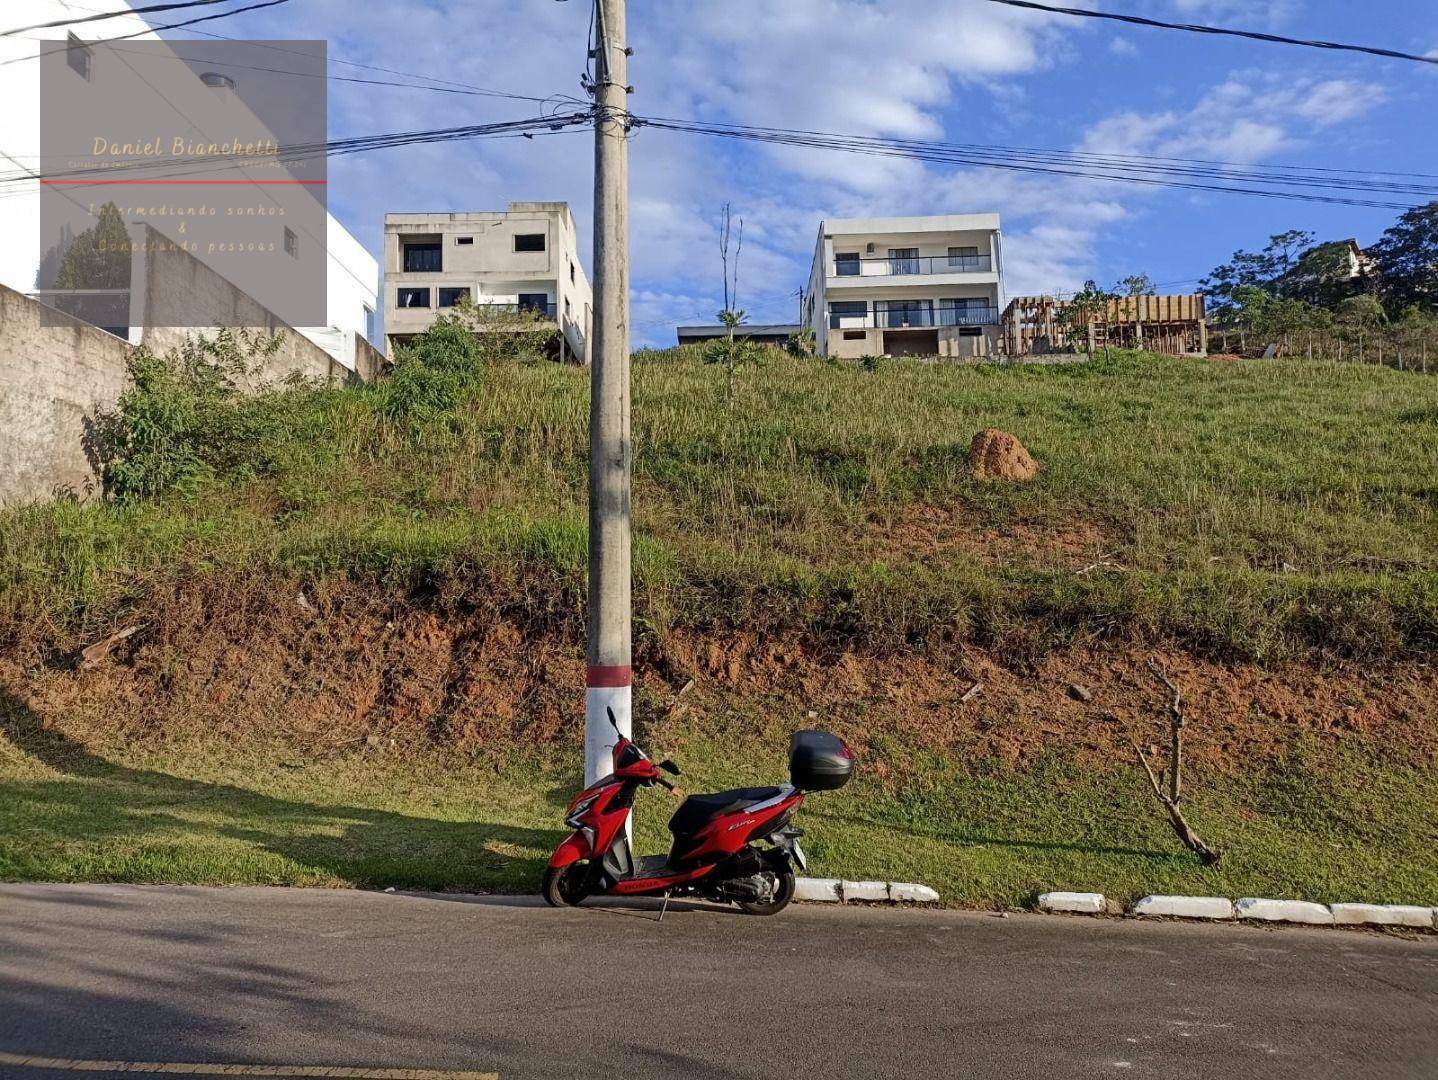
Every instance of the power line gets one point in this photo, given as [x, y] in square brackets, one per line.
[157, 29]
[954, 154]
[227, 65]
[112, 15]
[525, 128]
[1200, 28]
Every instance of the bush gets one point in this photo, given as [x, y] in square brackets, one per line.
[189, 416]
[434, 375]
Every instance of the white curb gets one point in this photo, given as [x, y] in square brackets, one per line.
[865, 890]
[1080, 903]
[1383, 915]
[836, 890]
[1184, 907]
[1293, 911]
[818, 889]
[909, 892]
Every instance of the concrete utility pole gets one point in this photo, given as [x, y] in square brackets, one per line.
[609, 676]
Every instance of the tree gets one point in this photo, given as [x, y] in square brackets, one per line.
[1324, 275]
[1089, 306]
[1361, 312]
[99, 258]
[1135, 285]
[1407, 260]
[1258, 269]
[733, 353]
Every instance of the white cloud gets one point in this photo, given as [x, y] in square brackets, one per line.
[905, 68]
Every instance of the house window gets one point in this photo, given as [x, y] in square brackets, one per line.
[79, 56]
[292, 244]
[900, 313]
[846, 264]
[846, 309]
[538, 302]
[452, 297]
[414, 298]
[965, 310]
[464, 241]
[903, 260]
[855, 335]
[369, 327]
[529, 241]
[571, 273]
[423, 258]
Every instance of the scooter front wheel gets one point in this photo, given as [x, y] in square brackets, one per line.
[778, 900]
[565, 886]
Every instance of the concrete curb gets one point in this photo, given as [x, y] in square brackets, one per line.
[839, 891]
[1293, 911]
[1249, 908]
[1076, 903]
[1184, 907]
[1384, 915]
[1210, 908]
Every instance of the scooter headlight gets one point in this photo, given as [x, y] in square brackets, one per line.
[578, 811]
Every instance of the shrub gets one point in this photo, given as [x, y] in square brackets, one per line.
[433, 375]
[186, 417]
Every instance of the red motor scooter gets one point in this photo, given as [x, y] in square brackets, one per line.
[732, 846]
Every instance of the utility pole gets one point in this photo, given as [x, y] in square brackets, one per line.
[609, 675]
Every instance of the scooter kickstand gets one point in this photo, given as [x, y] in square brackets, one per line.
[665, 907]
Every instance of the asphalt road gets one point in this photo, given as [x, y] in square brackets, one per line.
[314, 978]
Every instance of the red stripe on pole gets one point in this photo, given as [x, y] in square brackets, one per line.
[612, 676]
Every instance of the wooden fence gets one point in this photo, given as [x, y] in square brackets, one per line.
[1405, 348]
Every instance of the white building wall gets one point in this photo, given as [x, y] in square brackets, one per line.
[934, 278]
[352, 273]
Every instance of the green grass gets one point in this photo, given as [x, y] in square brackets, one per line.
[1259, 510]
[1264, 512]
[983, 834]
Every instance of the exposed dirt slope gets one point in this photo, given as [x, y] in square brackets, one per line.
[331, 666]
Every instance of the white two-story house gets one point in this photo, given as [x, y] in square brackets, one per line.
[523, 259]
[907, 286]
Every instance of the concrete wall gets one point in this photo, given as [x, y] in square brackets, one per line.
[56, 375]
[179, 289]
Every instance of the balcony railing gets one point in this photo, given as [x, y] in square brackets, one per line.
[904, 318]
[546, 310]
[913, 264]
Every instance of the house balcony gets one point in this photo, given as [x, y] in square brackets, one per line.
[914, 316]
[911, 265]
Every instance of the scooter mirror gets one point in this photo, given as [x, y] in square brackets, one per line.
[669, 767]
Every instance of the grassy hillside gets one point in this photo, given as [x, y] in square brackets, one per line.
[360, 621]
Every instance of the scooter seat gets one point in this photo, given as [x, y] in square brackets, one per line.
[698, 810]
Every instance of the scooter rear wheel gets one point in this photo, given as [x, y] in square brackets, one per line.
[783, 893]
[565, 886]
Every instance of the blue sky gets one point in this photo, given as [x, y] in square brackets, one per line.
[957, 70]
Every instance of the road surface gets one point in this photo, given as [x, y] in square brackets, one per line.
[310, 979]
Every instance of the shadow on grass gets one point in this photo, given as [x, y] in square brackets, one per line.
[137, 823]
[958, 837]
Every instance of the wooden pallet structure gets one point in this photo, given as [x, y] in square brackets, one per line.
[1177, 325]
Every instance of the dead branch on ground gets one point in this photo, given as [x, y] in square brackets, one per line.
[1171, 798]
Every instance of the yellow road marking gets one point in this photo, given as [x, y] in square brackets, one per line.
[187, 1069]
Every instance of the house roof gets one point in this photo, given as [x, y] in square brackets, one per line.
[747, 330]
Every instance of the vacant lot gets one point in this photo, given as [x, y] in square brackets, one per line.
[358, 644]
